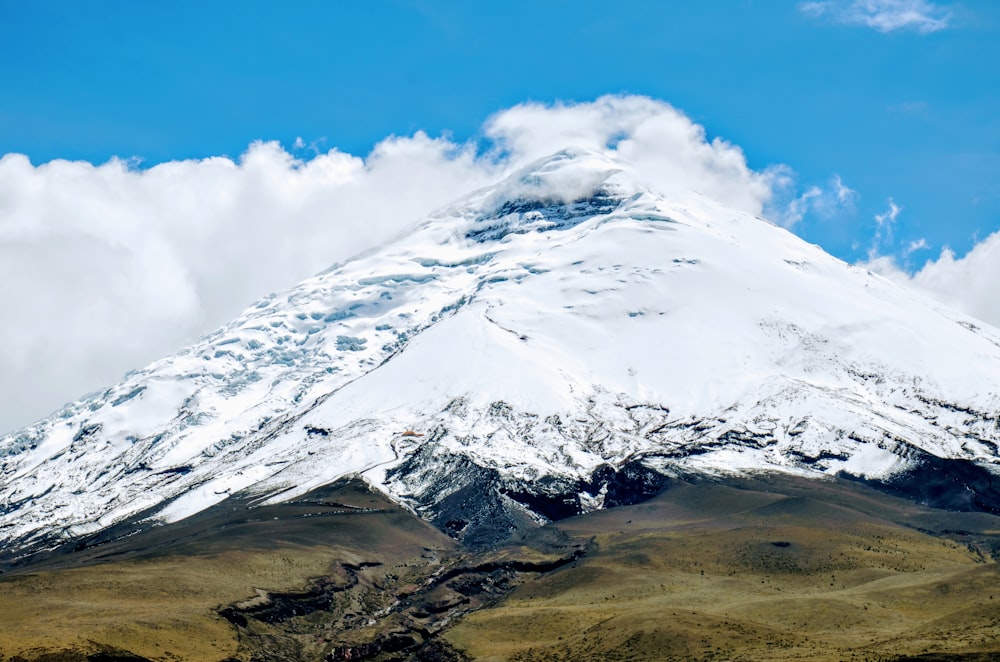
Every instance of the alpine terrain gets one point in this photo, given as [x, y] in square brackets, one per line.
[523, 365]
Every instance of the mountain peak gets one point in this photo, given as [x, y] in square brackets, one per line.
[553, 193]
[562, 177]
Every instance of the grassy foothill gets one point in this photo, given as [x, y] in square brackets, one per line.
[787, 570]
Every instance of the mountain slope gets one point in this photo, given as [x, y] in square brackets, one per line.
[551, 345]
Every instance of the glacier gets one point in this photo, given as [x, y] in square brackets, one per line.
[563, 341]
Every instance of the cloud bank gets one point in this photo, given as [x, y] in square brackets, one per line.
[967, 283]
[921, 16]
[105, 268]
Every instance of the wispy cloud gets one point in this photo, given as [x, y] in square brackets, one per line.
[922, 16]
[833, 199]
[916, 245]
[888, 217]
[884, 223]
[917, 108]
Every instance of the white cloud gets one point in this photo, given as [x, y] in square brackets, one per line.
[845, 195]
[911, 108]
[669, 151]
[917, 245]
[888, 217]
[884, 229]
[967, 283]
[825, 202]
[105, 268]
[922, 16]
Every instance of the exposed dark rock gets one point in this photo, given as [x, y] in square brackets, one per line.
[282, 606]
[180, 470]
[958, 485]
[525, 215]
[399, 646]
[633, 483]
[555, 499]
[438, 650]
[461, 498]
[87, 431]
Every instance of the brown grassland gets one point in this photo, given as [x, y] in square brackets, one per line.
[157, 597]
[783, 570]
[768, 569]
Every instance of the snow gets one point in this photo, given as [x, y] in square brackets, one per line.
[564, 319]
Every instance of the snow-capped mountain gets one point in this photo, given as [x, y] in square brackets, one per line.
[554, 344]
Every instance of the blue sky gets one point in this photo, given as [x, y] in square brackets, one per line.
[908, 114]
[881, 116]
